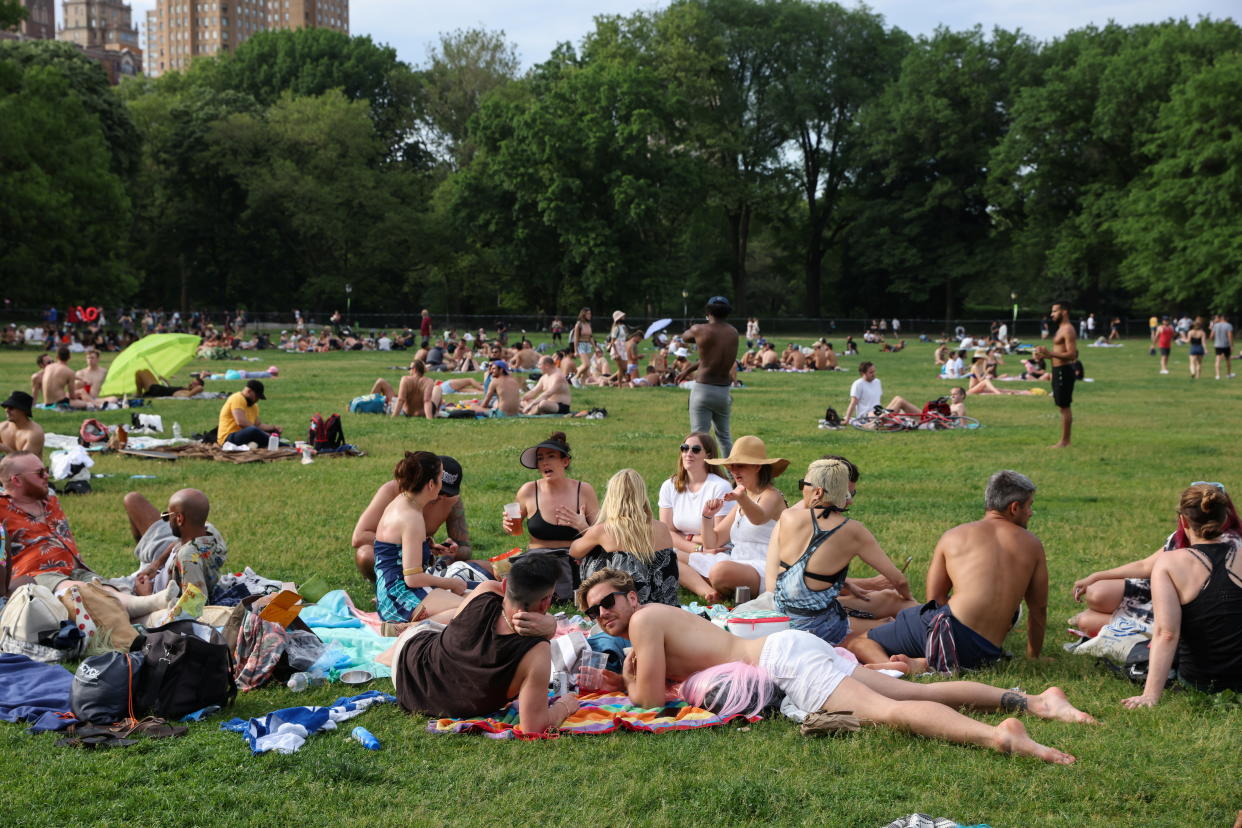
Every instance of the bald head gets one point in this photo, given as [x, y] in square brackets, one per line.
[192, 503]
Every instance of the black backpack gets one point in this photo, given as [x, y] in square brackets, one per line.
[104, 688]
[326, 435]
[181, 671]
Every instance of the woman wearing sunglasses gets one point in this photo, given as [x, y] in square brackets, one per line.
[811, 551]
[1197, 598]
[1124, 592]
[748, 527]
[681, 502]
[627, 538]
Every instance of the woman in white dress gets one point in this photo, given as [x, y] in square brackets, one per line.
[682, 499]
[748, 527]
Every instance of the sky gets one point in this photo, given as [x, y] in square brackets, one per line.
[536, 26]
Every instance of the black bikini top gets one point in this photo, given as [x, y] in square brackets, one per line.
[541, 529]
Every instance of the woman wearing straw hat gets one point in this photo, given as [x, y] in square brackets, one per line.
[749, 526]
[811, 554]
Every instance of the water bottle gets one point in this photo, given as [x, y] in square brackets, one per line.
[300, 681]
[177, 431]
[273, 441]
[364, 737]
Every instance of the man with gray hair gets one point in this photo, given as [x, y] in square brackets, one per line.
[991, 566]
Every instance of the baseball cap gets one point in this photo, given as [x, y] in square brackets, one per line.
[720, 300]
[501, 364]
[450, 476]
[257, 388]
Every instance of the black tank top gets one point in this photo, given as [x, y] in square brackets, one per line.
[1210, 649]
[465, 669]
[540, 529]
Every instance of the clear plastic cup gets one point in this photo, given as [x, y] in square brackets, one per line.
[591, 671]
[513, 511]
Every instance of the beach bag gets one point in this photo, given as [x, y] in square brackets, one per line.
[32, 613]
[104, 688]
[186, 667]
[367, 404]
[325, 435]
[939, 405]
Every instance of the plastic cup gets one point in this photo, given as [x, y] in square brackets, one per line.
[513, 511]
[591, 671]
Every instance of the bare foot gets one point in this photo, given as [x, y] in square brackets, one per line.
[142, 584]
[1061, 444]
[711, 597]
[918, 666]
[1011, 737]
[1053, 704]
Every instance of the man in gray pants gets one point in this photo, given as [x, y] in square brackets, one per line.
[710, 400]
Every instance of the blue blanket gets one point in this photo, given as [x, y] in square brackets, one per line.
[31, 691]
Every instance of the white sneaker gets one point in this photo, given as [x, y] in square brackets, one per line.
[1164, 371]
[1231, 376]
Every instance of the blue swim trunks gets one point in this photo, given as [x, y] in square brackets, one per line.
[909, 634]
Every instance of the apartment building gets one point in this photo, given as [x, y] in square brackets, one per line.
[105, 31]
[179, 30]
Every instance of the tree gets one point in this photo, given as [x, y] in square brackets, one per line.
[1181, 220]
[64, 213]
[465, 66]
[12, 13]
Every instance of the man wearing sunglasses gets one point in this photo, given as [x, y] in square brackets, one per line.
[176, 545]
[670, 645]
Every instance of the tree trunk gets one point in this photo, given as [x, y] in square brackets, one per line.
[739, 232]
[814, 274]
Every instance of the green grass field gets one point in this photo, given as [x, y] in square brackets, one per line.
[1139, 439]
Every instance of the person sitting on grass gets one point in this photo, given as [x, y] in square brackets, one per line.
[494, 650]
[1197, 597]
[503, 396]
[176, 545]
[551, 395]
[991, 566]
[19, 431]
[731, 675]
[239, 418]
[412, 397]
[626, 536]
[404, 590]
[810, 554]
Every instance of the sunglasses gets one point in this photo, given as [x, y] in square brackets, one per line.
[802, 484]
[1220, 486]
[37, 472]
[609, 601]
[692, 449]
[165, 516]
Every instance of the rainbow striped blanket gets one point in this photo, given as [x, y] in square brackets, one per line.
[597, 713]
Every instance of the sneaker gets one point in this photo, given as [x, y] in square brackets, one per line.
[1164, 372]
[1231, 376]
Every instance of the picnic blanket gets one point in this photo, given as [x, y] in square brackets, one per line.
[211, 451]
[597, 713]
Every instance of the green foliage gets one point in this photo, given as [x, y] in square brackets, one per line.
[64, 212]
[12, 13]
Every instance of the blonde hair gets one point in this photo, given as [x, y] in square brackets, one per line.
[833, 476]
[626, 514]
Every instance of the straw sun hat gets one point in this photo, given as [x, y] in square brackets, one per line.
[751, 451]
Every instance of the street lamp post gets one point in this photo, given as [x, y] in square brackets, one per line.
[349, 288]
[1013, 332]
[685, 307]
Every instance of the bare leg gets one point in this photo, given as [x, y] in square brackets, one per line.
[383, 386]
[1105, 596]
[437, 601]
[883, 603]
[141, 514]
[727, 576]
[696, 583]
[1090, 621]
[364, 559]
[904, 406]
[1067, 423]
[868, 651]
[466, 384]
[928, 718]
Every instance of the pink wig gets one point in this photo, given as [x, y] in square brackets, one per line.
[730, 689]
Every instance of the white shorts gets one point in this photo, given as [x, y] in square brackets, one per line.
[702, 562]
[805, 667]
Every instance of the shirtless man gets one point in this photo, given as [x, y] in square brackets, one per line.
[18, 432]
[445, 510]
[90, 378]
[991, 565]
[524, 358]
[36, 379]
[1064, 354]
[825, 359]
[631, 353]
[413, 394]
[797, 359]
[957, 401]
[769, 359]
[551, 395]
[59, 381]
[671, 645]
[711, 404]
[504, 396]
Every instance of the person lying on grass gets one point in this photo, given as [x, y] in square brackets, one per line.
[731, 675]
[494, 650]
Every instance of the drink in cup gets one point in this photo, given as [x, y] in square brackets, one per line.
[591, 672]
[513, 512]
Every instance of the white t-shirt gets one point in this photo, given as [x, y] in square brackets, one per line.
[868, 394]
[384, 343]
[954, 368]
[687, 506]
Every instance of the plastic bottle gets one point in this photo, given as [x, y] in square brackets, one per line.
[177, 431]
[364, 737]
[273, 442]
[300, 681]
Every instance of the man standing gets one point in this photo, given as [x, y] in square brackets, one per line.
[1064, 354]
[239, 418]
[424, 327]
[1164, 343]
[671, 645]
[865, 393]
[19, 432]
[178, 545]
[551, 395]
[991, 566]
[711, 404]
[484, 658]
[1222, 335]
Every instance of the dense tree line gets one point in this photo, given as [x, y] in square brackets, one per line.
[802, 156]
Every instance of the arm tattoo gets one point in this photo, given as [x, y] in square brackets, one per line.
[1013, 702]
[457, 529]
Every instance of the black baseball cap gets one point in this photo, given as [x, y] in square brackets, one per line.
[19, 400]
[257, 388]
[720, 302]
[450, 476]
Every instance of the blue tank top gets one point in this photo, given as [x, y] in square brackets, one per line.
[794, 596]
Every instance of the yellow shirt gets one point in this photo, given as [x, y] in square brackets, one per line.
[228, 423]
[1153, 322]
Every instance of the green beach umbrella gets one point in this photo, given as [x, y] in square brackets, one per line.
[161, 354]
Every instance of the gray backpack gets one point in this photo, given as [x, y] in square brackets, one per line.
[104, 688]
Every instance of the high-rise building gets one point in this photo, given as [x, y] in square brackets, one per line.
[40, 22]
[105, 31]
[179, 30]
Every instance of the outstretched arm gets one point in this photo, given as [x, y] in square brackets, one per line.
[1134, 569]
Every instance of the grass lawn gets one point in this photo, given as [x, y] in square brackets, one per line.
[1139, 439]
